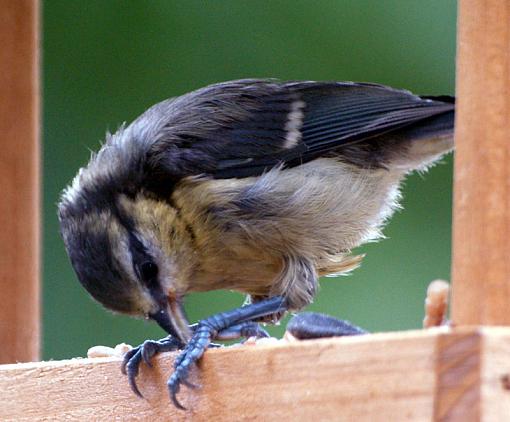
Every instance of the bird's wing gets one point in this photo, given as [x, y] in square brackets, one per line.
[264, 124]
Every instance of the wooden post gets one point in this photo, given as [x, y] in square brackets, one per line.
[481, 240]
[19, 181]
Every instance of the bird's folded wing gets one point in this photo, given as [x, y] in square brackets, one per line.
[292, 123]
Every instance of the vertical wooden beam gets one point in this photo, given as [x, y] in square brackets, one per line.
[481, 239]
[19, 181]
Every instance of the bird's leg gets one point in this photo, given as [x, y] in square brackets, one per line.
[150, 348]
[234, 321]
[310, 325]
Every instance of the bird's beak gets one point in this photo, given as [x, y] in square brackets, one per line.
[172, 319]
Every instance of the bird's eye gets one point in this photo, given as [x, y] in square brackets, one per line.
[148, 271]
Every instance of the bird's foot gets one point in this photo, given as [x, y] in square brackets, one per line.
[145, 352]
[196, 347]
[224, 326]
[310, 325]
[227, 325]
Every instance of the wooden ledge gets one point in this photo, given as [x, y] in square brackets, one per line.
[415, 375]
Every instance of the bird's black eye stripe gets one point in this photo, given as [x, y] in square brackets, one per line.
[148, 271]
[143, 263]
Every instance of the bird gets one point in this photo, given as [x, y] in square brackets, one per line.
[259, 186]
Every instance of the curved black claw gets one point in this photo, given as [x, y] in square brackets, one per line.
[145, 352]
[131, 366]
[192, 352]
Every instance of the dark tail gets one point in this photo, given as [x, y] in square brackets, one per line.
[436, 126]
[443, 98]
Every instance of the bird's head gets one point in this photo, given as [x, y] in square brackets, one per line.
[129, 252]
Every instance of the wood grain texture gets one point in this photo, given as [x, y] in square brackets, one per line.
[458, 377]
[384, 377]
[473, 375]
[19, 181]
[461, 375]
[481, 232]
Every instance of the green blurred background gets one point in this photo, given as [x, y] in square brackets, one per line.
[104, 62]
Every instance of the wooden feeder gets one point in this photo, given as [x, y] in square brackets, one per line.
[461, 374]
